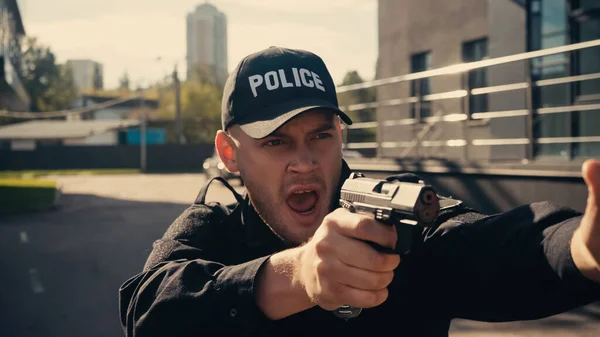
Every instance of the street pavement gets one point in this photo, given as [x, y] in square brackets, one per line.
[61, 269]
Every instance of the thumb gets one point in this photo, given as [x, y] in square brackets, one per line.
[591, 176]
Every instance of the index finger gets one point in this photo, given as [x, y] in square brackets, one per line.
[364, 227]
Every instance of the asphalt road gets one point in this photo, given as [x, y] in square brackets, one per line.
[60, 270]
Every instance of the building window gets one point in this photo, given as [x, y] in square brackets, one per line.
[555, 23]
[548, 26]
[585, 19]
[418, 63]
[474, 51]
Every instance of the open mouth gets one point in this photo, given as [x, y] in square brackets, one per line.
[303, 201]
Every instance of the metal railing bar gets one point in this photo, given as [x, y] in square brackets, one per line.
[477, 142]
[445, 95]
[482, 142]
[454, 117]
[361, 106]
[476, 91]
[396, 122]
[562, 140]
[397, 144]
[363, 125]
[448, 143]
[569, 108]
[363, 145]
[500, 114]
[499, 88]
[505, 141]
[433, 143]
[568, 79]
[480, 115]
[462, 67]
[399, 101]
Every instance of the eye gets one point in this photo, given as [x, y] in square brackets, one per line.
[274, 142]
[323, 135]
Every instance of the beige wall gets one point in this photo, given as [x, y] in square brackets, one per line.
[413, 26]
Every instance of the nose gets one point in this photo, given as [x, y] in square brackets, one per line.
[304, 160]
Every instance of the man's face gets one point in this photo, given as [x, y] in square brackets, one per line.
[292, 174]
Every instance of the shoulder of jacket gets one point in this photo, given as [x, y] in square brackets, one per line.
[198, 218]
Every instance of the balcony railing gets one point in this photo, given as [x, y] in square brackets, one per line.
[467, 141]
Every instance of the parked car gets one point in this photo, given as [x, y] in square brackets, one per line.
[214, 167]
[351, 154]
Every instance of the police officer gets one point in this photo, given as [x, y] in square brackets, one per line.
[284, 256]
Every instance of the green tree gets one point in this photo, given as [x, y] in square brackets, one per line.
[207, 74]
[61, 92]
[50, 86]
[200, 111]
[348, 98]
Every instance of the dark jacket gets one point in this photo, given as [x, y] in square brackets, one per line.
[199, 278]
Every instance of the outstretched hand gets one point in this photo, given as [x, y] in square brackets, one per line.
[585, 245]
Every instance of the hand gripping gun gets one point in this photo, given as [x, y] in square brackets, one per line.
[401, 204]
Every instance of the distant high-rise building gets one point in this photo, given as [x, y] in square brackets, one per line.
[207, 43]
[87, 74]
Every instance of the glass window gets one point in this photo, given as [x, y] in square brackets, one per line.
[586, 27]
[476, 51]
[420, 62]
[549, 28]
[588, 4]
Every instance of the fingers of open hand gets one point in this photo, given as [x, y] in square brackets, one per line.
[591, 175]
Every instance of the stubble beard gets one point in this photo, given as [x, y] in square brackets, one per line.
[266, 208]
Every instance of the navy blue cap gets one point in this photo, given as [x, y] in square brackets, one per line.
[272, 86]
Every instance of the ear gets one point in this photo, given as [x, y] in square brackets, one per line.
[226, 148]
[338, 122]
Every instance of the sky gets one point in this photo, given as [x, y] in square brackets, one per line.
[129, 35]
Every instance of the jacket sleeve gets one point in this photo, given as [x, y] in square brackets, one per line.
[186, 288]
[511, 266]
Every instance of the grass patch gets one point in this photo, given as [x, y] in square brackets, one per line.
[28, 174]
[26, 195]
[27, 183]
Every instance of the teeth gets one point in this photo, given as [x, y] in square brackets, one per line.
[300, 192]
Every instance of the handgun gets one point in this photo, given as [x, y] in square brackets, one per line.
[392, 202]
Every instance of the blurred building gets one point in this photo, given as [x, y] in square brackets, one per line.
[420, 35]
[87, 74]
[129, 109]
[12, 92]
[31, 135]
[207, 43]
[126, 111]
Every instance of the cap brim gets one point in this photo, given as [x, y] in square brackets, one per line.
[273, 118]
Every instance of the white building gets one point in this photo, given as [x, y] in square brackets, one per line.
[207, 41]
[87, 74]
[27, 136]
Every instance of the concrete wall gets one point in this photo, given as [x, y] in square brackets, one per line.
[413, 26]
[508, 35]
